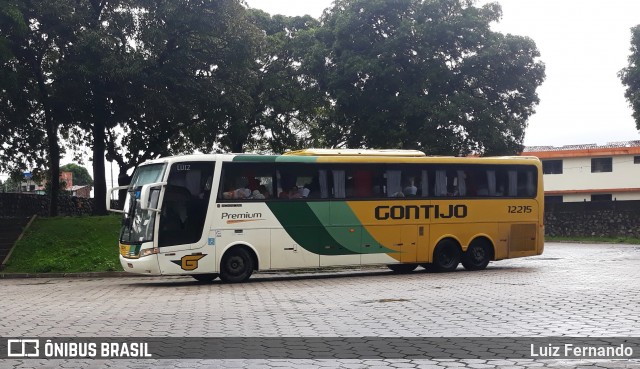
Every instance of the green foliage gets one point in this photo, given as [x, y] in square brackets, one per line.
[138, 79]
[36, 39]
[67, 244]
[184, 84]
[427, 75]
[282, 101]
[81, 176]
[630, 75]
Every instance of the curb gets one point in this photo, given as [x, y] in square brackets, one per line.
[71, 275]
[294, 273]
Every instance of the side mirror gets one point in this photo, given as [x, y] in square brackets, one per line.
[109, 197]
[150, 195]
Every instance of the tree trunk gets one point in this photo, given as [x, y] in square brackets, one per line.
[51, 128]
[99, 176]
[54, 165]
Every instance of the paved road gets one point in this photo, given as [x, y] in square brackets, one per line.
[570, 290]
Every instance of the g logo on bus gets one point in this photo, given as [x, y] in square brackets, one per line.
[189, 262]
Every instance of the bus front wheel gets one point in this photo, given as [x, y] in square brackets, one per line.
[446, 256]
[477, 256]
[205, 278]
[236, 266]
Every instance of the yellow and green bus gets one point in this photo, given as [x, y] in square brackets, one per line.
[229, 215]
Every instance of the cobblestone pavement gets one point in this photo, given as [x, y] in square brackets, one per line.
[571, 290]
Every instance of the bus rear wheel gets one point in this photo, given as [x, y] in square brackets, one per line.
[446, 256]
[205, 278]
[236, 266]
[477, 256]
[402, 268]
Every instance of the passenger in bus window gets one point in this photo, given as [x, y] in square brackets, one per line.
[294, 193]
[264, 191]
[304, 192]
[240, 193]
[410, 189]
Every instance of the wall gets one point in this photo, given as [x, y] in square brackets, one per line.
[19, 205]
[599, 219]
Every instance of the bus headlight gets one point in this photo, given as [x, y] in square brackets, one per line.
[147, 252]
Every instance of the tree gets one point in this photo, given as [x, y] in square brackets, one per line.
[424, 74]
[281, 100]
[13, 183]
[133, 79]
[630, 75]
[34, 42]
[81, 176]
[184, 63]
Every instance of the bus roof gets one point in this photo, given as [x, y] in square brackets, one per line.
[356, 152]
[349, 156]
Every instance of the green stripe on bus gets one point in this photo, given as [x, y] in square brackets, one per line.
[304, 227]
[296, 159]
[342, 214]
[346, 234]
[255, 158]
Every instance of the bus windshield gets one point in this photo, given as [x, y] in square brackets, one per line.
[138, 225]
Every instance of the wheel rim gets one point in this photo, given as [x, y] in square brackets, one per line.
[478, 254]
[236, 265]
[446, 257]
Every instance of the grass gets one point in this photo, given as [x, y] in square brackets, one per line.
[67, 245]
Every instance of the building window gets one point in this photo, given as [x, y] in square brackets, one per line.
[601, 197]
[636, 159]
[552, 166]
[601, 165]
[553, 199]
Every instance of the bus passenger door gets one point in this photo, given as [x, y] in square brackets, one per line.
[181, 228]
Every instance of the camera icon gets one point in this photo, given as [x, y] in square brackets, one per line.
[23, 348]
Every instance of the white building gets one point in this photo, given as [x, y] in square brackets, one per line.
[590, 172]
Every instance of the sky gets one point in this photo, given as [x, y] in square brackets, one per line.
[583, 44]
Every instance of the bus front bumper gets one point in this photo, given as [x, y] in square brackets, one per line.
[144, 265]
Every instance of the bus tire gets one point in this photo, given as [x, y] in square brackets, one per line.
[477, 256]
[205, 278]
[402, 268]
[446, 256]
[236, 266]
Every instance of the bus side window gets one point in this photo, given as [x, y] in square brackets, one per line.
[246, 181]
